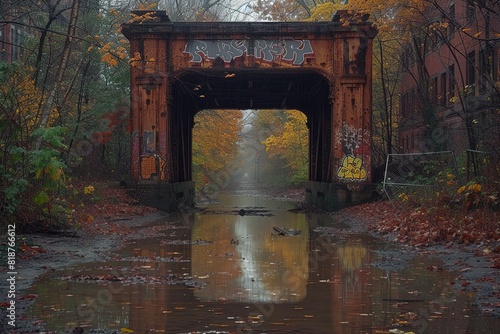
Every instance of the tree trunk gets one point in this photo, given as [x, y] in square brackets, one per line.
[387, 113]
[51, 98]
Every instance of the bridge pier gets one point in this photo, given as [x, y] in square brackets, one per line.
[168, 197]
[336, 196]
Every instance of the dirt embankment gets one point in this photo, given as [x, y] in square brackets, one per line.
[44, 253]
[475, 259]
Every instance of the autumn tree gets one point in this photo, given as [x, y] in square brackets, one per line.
[291, 146]
[62, 100]
[284, 138]
[215, 147]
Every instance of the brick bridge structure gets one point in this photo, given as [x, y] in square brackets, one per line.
[323, 69]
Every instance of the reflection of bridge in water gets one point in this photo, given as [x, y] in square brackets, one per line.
[320, 68]
[249, 278]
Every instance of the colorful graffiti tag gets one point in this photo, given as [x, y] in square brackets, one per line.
[351, 168]
[290, 50]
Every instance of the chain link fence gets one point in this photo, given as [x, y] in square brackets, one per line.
[420, 177]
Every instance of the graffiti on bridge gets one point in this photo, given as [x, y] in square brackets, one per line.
[291, 50]
[352, 166]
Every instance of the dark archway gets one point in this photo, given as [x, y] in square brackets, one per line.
[306, 91]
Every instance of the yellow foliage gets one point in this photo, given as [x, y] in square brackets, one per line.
[352, 256]
[22, 100]
[292, 143]
[141, 18]
[109, 59]
[105, 48]
[215, 142]
[88, 190]
[135, 60]
[475, 187]
[403, 197]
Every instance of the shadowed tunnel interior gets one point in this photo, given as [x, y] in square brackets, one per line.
[251, 89]
[196, 90]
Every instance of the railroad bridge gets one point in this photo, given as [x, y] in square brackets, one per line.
[323, 69]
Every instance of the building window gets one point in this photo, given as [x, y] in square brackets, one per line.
[451, 85]
[3, 53]
[404, 112]
[404, 59]
[471, 71]
[14, 43]
[486, 68]
[433, 93]
[443, 92]
[451, 24]
[470, 11]
[408, 57]
[414, 105]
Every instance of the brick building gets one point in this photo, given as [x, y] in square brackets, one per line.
[449, 92]
[11, 38]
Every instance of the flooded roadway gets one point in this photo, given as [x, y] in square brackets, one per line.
[229, 269]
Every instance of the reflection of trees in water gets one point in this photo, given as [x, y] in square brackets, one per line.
[255, 266]
[352, 257]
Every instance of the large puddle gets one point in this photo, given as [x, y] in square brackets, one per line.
[249, 265]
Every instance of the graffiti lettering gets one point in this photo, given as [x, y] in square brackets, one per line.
[352, 169]
[294, 51]
[352, 166]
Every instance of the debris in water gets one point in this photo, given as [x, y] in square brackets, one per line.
[286, 231]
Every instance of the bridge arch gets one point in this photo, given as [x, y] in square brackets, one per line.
[322, 69]
[306, 91]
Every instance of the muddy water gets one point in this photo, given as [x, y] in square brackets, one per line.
[227, 269]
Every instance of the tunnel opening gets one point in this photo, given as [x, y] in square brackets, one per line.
[306, 91]
[249, 148]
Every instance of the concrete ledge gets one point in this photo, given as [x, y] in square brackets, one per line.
[168, 197]
[335, 196]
